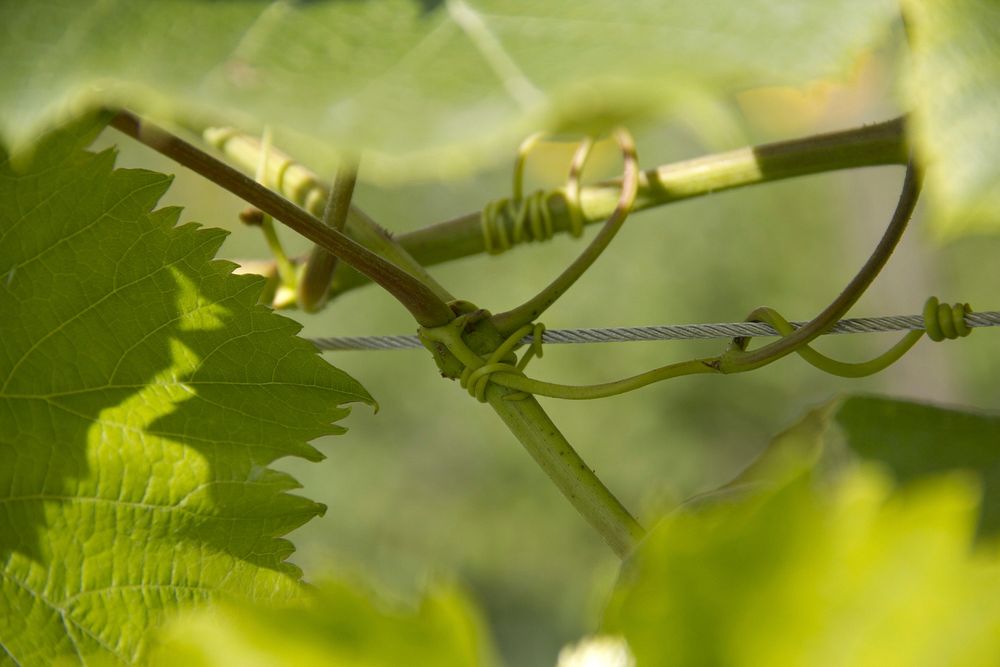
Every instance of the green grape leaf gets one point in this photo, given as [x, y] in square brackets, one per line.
[954, 88]
[335, 625]
[143, 395]
[911, 441]
[853, 575]
[422, 88]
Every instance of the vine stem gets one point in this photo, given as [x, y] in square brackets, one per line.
[881, 144]
[420, 300]
[526, 419]
[529, 423]
[578, 483]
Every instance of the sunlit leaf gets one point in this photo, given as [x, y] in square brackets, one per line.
[143, 395]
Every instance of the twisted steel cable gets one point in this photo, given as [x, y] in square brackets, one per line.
[665, 332]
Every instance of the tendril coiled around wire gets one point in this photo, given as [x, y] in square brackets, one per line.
[502, 368]
[531, 216]
[941, 321]
[946, 321]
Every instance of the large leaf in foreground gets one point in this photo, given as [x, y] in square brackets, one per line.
[335, 625]
[955, 91]
[143, 395]
[422, 87]
[857, 576]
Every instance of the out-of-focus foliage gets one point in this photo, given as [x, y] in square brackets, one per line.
[421, 87]
[333, 625]
[854, 575]
[910, 440]
[915, 441]
[954, 88]
[143, 396]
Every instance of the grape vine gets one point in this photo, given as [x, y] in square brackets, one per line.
[148, 389]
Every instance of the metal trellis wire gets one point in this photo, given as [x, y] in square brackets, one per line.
[665, 332]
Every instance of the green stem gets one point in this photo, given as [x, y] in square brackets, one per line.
[873, 145]
[531, 425]
[552, 452]
[869, 146]
[318, 274]
[426, 307]
[588, 392]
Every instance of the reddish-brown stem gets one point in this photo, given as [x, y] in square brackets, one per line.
[423, 304]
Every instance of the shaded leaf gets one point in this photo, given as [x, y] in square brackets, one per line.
[423, 88]
[143, 395]
[911, 441]
[915, 441]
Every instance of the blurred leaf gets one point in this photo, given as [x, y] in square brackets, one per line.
[855, 577]
[955, 92]
[423, 87]
[333, 625]
[910, 440]
[143, 396]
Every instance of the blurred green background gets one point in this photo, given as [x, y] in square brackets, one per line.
[435, 486]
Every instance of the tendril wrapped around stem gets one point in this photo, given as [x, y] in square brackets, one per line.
[531, 216]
